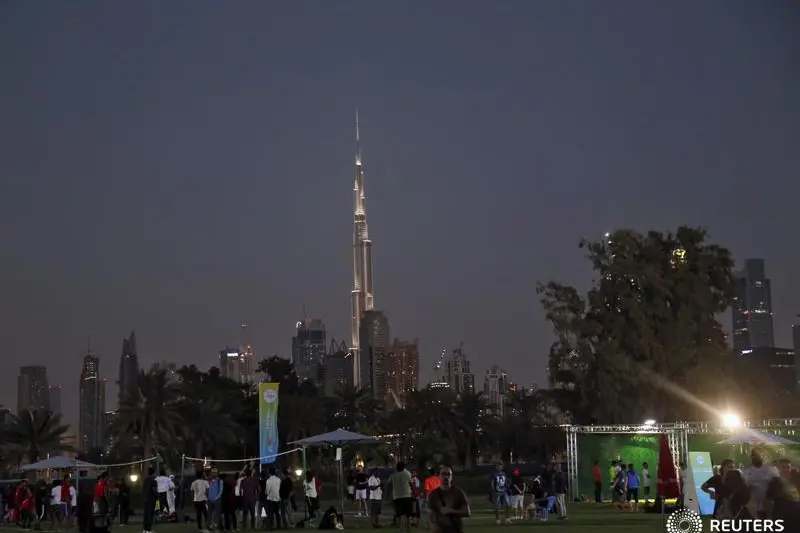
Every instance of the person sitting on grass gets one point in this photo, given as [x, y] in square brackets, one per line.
[540, 502]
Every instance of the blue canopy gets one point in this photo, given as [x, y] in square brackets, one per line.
[58, 462]
[754, 437]
[340, 437]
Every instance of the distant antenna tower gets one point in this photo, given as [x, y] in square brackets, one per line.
[439, 363]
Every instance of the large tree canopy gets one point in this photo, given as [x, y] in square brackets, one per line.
[633, 346]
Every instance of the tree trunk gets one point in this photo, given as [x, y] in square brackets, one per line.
[468, 458]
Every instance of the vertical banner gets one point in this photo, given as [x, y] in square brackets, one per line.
[268, 421]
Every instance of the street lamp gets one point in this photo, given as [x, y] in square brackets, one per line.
[134, 477]
[298, 471]
[649, 422]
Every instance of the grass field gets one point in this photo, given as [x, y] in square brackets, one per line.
[582, 518]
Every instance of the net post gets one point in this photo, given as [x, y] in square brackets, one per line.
[305, 500]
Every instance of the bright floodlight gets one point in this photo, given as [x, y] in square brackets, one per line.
[134, 478]
[298, 472]
[650, 422]
[731, 420]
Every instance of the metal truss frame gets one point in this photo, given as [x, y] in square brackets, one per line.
[677, 435]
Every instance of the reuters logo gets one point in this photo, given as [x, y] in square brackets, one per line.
[684, 521]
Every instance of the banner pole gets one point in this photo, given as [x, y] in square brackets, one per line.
[305, 500]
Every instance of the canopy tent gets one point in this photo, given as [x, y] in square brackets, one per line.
[57, 463]
[753, 437]
[339, 439]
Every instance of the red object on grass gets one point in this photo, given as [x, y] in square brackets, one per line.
[668, 484]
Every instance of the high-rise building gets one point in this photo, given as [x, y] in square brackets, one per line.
[92, 392]
[752, 308]
[495, 390]
[402, 371]
[248, 365]
[361, 296]
[337, 369]
[374, 342]
[33, 391]
[232, 365]
[796, 342]
[54, 395]
[458, 374]
[128, 369]
[309, 345]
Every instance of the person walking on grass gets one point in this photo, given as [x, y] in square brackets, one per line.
[199, 491]
[448, 505]
[498, 488]
[560, 490]
[400, 482]
[632, 482]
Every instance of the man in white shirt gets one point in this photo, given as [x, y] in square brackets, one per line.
[199, 491]
[375, 497]
[272, 493]
[56, 511]
[162, 484]
[757, 478]
[646, 481]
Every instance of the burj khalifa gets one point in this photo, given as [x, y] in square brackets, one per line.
[361, 297]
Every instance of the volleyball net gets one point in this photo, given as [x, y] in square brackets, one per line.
[131, 471]
[280, 460]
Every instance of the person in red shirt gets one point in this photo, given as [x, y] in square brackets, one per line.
[101, 494]
[597, 476]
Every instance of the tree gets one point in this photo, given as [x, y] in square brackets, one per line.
[647, 323]
[37, 432]
[151, 413]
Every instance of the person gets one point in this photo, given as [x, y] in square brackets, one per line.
[417, 494]
[286, 492]
[757, 477]
[310, 494]
[56, 509]
[101, 494]
[619, 488]
[361, 487]
[646, 482]
[738, 503]
[123, 502]
[375, 498]
[632, 486]
[448, 505]
[498, 487]
[713, 485]
[597, 477]
[84, 510]
[518, 490]
[351, 486]
[171, 507]
[272, 498]
[400, 482]
[214, 501]
[162, 483]
[149, 497]
[249, 495]
[784, 492]
[199, 490]
[228, 503]
[560, 490]
[540, 500]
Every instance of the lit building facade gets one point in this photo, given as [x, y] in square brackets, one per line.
[458, 374]
[402, 371]
[33, 390]
[54, 396]
[375, 346]
[92, 393]
[752, 308]
[337, 369]
[495, 390]
[309, 346]
[128, 369]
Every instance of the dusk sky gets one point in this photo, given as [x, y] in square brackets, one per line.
[176, 167]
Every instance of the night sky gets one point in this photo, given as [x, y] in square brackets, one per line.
[179, 167]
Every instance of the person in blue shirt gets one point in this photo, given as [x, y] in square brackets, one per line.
[633, 487]
[499, 493]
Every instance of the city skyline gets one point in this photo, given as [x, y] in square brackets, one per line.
[160, 181]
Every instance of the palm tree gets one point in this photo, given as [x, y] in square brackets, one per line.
[470, 418]
[37, 432]
[151, 413]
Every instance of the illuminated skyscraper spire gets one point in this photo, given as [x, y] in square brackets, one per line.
[361, 298]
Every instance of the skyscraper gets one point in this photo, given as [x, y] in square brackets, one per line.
[33, 391]
[402, 371]
[374, 342]
[361, 297]
[752, 308]
[495, 389]
[54, 396]
[337, 369]
[309, 345]
[128, 368]
[458, 373]
[92, 404]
